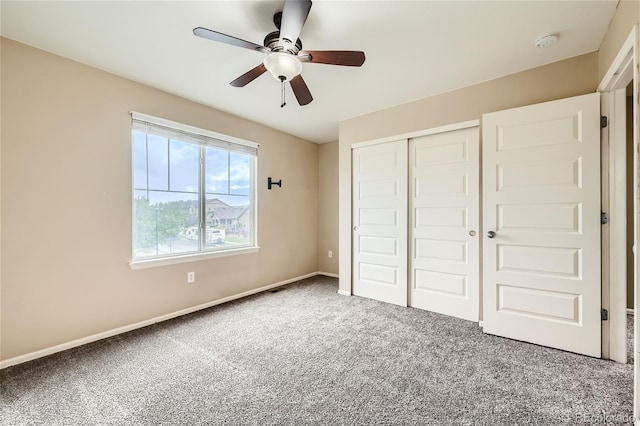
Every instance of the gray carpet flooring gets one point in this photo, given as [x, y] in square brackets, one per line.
[306, 355]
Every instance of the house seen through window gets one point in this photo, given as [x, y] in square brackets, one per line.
[192, 192]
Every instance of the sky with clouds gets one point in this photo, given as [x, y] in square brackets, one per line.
[173, 166]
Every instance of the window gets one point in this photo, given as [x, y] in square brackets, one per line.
[193, 190]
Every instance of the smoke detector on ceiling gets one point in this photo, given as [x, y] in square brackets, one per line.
[545, 41]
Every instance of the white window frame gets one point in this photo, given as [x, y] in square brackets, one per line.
[209, 254]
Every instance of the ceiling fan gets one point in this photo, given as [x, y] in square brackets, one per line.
[284, 51]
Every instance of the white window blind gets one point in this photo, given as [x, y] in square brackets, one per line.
[174, 130]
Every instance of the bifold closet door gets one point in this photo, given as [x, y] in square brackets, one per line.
[541, 215]
[444, 223]
[380, 222]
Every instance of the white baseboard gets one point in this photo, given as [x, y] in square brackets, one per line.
[630, 311]
[109, 333]
[344, 292]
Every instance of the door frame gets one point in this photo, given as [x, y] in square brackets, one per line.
[614, 238]
[623, 69]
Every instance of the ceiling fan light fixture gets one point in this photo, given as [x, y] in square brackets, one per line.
[282, 64]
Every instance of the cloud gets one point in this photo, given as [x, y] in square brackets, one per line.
[178, 162]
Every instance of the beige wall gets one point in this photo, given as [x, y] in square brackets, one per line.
[66, 205]
[328, 207]
[562, 79]
[571, 77]
[625, 17]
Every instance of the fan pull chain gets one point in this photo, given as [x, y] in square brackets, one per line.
[282, 79]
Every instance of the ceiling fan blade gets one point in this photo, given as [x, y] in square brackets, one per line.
[249, 76]
[300, 89]
[349, 58]
[227, 39]
[294, 15]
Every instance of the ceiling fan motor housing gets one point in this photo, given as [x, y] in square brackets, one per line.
[272, 42]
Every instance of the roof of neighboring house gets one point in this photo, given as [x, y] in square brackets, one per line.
[230, 212]
[220, 209]
[215, 203]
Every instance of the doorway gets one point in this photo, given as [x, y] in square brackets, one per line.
[620, 267]
[629, 215]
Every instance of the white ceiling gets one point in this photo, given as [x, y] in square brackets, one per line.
[414, 49]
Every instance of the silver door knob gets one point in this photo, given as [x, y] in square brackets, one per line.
[355, 228]
[472, 233]
[491, 234]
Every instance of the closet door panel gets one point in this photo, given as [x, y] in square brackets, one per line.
[444, 218]
[380, 222]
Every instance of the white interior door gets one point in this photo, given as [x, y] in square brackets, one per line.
[380, 222]
[444, 190]
[541, 198]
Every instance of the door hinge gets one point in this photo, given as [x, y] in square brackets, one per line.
[604, 314]
[604, 218]
[604, 121]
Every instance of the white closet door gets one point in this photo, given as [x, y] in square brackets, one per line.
[380, 222]
[444, 215]
[541, 198]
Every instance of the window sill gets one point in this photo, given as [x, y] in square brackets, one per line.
[153, 263]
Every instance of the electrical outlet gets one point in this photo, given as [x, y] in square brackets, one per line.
[330, 254]
[191, 277]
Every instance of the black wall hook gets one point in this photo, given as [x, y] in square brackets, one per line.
[271, 183]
